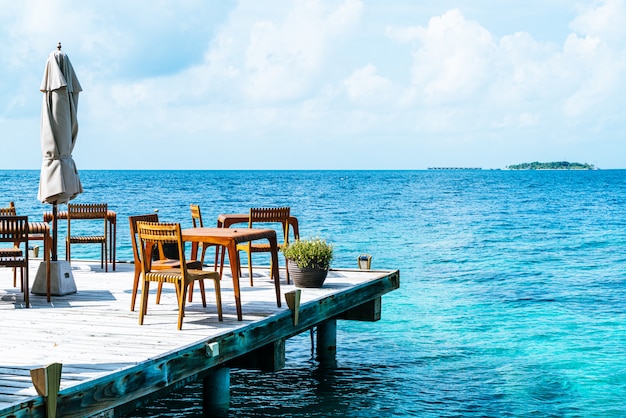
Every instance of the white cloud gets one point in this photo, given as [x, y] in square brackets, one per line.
[452, 60]
[605, 20]
[366, 87]
[250, 62]
[467, 78]
[283, 58]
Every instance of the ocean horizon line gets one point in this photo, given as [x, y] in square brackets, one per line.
[433, 169]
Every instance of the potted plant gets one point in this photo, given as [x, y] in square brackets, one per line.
[308, 261]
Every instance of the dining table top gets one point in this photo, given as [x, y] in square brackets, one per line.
[236, 235]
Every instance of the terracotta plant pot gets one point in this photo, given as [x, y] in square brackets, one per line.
[306, 277]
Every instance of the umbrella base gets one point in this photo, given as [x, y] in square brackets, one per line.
[61, 279]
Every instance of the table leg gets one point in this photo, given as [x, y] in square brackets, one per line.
[234, 268]
[194, 250]
[46, 250]
[113, 239]
[275, 272]
[114, 243]
[217, 253]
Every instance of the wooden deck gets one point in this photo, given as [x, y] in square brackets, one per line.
[110, 362]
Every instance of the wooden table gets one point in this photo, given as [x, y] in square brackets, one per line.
[229, 238]
[111, 220]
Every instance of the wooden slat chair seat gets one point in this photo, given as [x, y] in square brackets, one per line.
[10, 252]
[86, 239]
[160, 263]
[7, 254]
[15, 231]
[155, 233]
[264, 216]
[90, 211]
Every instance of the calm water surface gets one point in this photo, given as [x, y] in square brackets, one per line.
[512, 299]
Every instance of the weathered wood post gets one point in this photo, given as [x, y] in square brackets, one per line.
[47, 382]
[216, 393]
[293, 302]
[327, 342]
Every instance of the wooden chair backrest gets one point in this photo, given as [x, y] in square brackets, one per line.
[9, 210]
[150, 217]
[87, 211]
[270, 215]
[14, 229]
[159, 233]
[196, 216]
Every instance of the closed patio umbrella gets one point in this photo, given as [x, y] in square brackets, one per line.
[58, 181]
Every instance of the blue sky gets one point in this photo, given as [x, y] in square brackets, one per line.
[315, 84]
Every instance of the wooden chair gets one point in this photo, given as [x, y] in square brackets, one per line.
[155, 233]
[11, 251]
[264, 216]
[159, 260]
[14, 230]
[94, 212]
[196, 220]
[47, 245]
[8, 210]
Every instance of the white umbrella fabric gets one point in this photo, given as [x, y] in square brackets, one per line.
[59, 181]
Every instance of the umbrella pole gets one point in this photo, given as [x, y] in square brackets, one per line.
[54, 232]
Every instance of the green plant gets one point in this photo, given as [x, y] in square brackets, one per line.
[310, 253]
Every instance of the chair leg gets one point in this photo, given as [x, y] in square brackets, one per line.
[14, 276]
[222, 261]
[250, 266]
[287, 270]
[218, 299]
[204, 248]
[202, 294]
[143, 308]
[133, 296]
[158, 298]
[217, 257]
[25, 288]
[239, 264]
[182, 294]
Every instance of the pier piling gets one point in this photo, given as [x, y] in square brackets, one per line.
[216, 393]
[327, 342]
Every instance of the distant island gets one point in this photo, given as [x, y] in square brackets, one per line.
[454, 168]
[556, 165]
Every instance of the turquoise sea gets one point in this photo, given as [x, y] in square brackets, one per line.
[512, 299]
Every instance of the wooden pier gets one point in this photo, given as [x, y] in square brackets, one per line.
[111, 365]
